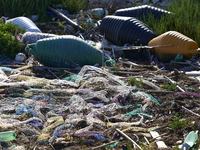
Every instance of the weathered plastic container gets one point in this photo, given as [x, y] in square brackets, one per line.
[140, 11]
[181, 45]
[33, 37]
[125, 30]
[25, 22]
[66, 52]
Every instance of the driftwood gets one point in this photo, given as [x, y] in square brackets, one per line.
[65, 18]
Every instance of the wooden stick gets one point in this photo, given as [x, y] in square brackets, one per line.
[126, 136]
[173, 83]
[191, 111]
[65, 18]
[24, 67]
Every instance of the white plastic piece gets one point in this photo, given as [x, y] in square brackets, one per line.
[25, 22]
[160, 144]
[20, 57]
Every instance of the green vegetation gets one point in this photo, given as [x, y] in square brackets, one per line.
[15, 8]
[135, 82]
[178, 123]
[171, 87]
[72, 6]
[186, 19]
[85, 25]
[9, 44]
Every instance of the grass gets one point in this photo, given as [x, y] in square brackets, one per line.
[178, 123]
[186, 19]
[135, 82]
[171, 87]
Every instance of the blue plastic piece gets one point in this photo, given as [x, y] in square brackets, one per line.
[21, 110]
[99, 137]
[90, 140]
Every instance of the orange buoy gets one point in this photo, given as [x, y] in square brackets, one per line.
[168, 45]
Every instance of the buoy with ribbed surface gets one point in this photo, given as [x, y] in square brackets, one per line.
[180, 44]
[140, 11]
[26, 23]
[125, 30]
[65, 51]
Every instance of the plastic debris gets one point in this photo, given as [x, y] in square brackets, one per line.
[99, 137]
[20, 57]
[43, 139]
[8, 136]
[190, 140]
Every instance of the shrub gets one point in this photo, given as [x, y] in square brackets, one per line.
[72, 6]
[186, 19]
[14, 8]
[9, 45]
[178, 123]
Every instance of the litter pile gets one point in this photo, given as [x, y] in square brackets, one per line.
[78, 91]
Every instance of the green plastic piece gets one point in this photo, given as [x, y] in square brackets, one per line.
[134, 112]
[178, 58]
[110, 63]
[73, 78]
[65, 51]
[190, 89]
[113, 145]
[8, 136]
[165, 103]
[191, 138]
[128, 106]
[152, 98]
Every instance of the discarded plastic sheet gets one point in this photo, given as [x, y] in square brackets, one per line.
[33, 37]
[20, 111]
[43, 139]
[58, 120]
[8, 136]
[65, 51]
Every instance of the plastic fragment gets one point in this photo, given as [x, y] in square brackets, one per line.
[90, 140]
[178, 58]
[152, 98]
[99, 137]
[73, 78]
[113, 145]
[8, 136]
